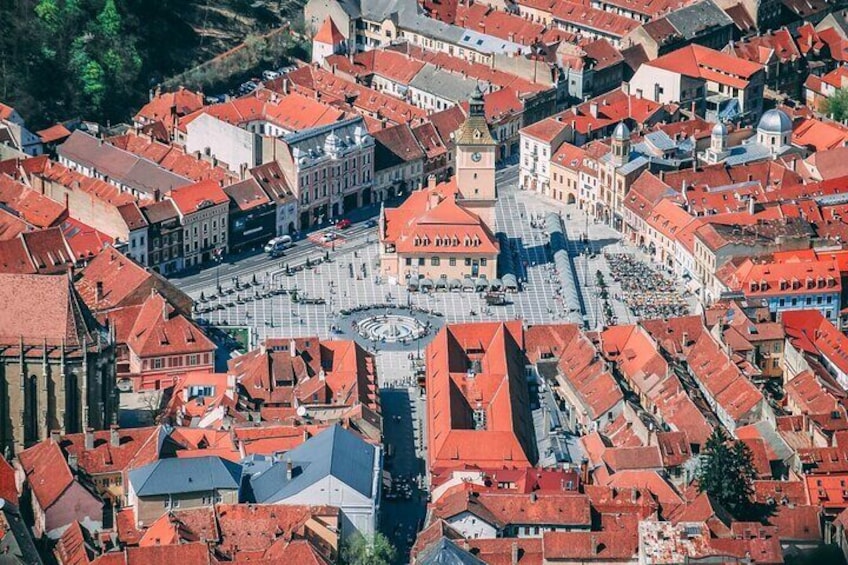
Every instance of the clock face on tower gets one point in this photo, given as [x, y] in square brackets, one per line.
[476, 156]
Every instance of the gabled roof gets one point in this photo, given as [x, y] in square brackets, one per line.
[335, 452]
[124, 167]
[702, 62]
[446, 552]
[329, 33]
[159, 330]
[47, 472]
[434, 220]
[178, 475]
[123, 283]
[195, 197]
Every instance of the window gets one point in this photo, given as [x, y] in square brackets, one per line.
[467, 262]
[483, 262]
[408, 261]
[434, 261]
[421, 261]
[157, 363]
[452, 261]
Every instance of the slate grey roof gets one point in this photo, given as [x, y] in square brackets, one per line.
[752, 151]
[335, 451]
[127, 168]
[410, 16]
[183, 475]
[443, 84]
[696, 18]
[446, 552]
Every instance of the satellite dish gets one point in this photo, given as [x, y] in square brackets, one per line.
[301, 411]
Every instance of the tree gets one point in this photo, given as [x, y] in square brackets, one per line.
[376, 550]
[727, 473]
[836, 105]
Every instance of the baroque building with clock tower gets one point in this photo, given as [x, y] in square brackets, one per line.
[442, 236]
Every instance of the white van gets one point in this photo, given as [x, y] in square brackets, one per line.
[278, 244]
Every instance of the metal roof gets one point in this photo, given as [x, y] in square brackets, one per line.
[446, 552]
[335, 451]
[182, 475]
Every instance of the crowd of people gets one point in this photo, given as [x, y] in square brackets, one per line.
[647, 292]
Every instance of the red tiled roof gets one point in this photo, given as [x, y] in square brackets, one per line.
[135, 447]
[194, 197]
[47, 472]
[453, 395]
[8, 486]
[702, 62]
[433, 220]
[5, 111]
[775, 45]
[329, 33]
[497, 23]
[167, 107]
[811, 326]
[41, 308]
[31, 205]
[722, 379]
[504, 509]
[585, 16]
[53, 134]
[773, 278]
[173, 158]
[158, 330]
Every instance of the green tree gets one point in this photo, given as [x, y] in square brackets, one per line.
[837, 105]
[727, 473]
[109, 20]
[377, 550]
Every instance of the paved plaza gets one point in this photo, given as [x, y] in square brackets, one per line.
[310, 300]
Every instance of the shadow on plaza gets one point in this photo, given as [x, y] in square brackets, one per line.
[404, 503]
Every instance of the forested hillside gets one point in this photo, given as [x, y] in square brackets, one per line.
[97, 59]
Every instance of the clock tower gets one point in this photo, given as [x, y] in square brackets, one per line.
[475, 162]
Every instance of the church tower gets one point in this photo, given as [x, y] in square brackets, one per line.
[475, 162]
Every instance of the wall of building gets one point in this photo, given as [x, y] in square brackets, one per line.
[231, 145]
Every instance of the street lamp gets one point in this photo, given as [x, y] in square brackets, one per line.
[218, 255]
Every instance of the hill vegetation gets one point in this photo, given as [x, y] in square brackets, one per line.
[98, 59]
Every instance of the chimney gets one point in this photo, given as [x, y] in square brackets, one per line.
[431, 182]
[98, 291]
[433, 200]
[533, 497]
[625, 88]
[55, 435]
[72, 461]
[292, 347]
[289, 469]
[685, 339]
[89, 438]
[584, 471]
[114, 436]
[514, 553]
[157, 195]
[634, 495]
[593, 109]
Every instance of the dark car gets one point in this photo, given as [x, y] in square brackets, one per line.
[372, 223]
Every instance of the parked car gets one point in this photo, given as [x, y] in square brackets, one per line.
[372, 223]
[343, 224]
[328, 237]
[270, 75]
